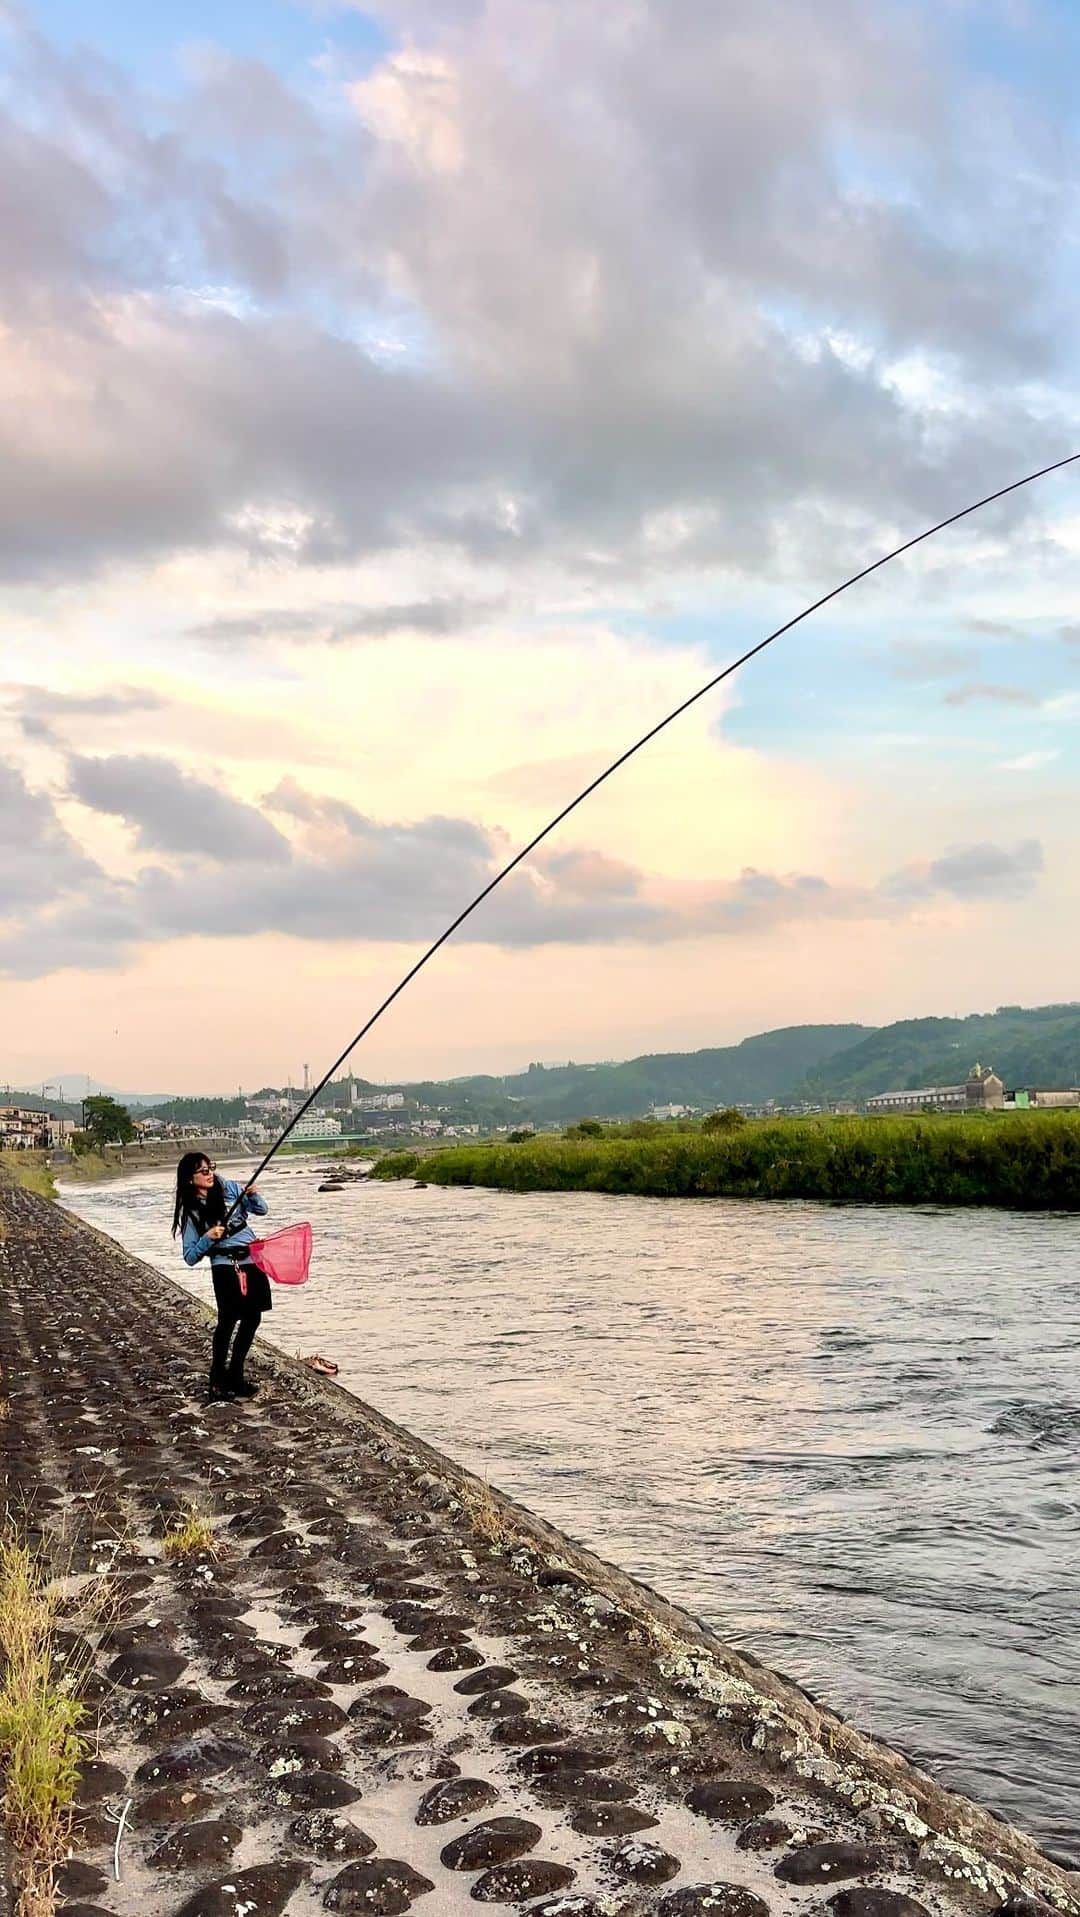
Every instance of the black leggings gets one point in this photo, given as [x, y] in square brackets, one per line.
[235, 1313]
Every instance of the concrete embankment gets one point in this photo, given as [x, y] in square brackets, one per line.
[393, 1685]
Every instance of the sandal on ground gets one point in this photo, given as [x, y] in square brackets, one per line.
[325, 1365]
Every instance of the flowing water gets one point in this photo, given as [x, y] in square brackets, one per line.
[847, 1437]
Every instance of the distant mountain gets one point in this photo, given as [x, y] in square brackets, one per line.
[1039, 1045]
[759, 1068]
[78, 1086]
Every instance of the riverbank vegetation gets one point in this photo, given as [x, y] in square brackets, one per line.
[41, 1745]
[1026, 1160]
[30, 1170]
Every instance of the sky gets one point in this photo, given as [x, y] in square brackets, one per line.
[402, 408]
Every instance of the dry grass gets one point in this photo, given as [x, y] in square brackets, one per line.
[192, 1535]
[40, 1717]
[486, 1516]
[37, 1893]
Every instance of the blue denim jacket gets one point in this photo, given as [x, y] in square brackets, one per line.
[240, 1233]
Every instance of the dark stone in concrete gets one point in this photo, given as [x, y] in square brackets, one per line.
[499, 1704]
[98, 1781]
[92, 1830]
[146, 1670]
[544, 1762]
[458, 1797]
[352, 1669]
[493, 1677]
[285, 1548]
[330, 1837]
[434, 1636]
[575, 1905]
[388, 1715]
[712, 1900]
[277, 1684]
[205, 1756]
[293, 1751]
[498, 1841]
[194, 1846]
[515, 1732]
[300, 1714]
[610, 1820]
[314, 1790]
[455, 1657]
[869, 1901]
[84, 1910]
[170, 1803]
[513, 1883]
[730, 1800]
[262, 1891]
[76, 1879]
[640, 1863]
[585, 1787]
[825, 1863]
[334, 1637]
[391, 1701]
[764, 1833]
[382, 1887]
[595, 1677]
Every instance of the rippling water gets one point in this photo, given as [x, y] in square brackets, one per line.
[849, 1438]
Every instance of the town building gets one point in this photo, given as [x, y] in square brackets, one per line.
[982, 1091]
[25, 1128]
[362, 1101]
[1041, 1098]
[316, 1125]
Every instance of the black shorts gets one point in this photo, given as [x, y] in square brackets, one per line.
[227, 1287]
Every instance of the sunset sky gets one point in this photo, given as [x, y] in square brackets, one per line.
[402, 409]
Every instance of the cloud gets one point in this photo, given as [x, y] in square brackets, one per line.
[341, 623]
[345, 876]
[978, 692]
[921, 660]
[1030, 761]
[37, 706]
[625, 310]
[972, 873]
[39, 860]
[171, 811]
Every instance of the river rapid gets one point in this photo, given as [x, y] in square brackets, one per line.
[847, 1437]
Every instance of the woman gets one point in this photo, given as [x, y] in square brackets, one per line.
[203, 1203]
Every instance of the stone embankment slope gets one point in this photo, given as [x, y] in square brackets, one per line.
[397, 1688]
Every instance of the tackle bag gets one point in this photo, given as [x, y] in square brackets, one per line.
[285, 1256]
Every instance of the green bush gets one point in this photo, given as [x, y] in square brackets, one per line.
[396, 1165]
[1029, 1161]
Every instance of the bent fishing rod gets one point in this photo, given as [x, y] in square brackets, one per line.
[744, 659]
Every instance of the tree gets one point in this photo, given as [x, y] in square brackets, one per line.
[729, 1120]
[107, 1123]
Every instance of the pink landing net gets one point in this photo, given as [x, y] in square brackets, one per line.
[285, 1255]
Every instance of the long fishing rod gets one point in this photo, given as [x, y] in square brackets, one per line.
[588, 790]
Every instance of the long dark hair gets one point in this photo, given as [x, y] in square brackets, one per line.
[212, 1211]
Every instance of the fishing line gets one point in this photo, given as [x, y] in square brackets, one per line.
[588, 790]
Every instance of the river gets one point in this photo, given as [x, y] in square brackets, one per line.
[847, 1437]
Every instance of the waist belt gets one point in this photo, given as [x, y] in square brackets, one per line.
[231, 1254]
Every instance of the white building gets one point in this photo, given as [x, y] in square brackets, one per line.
[317, 1125]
